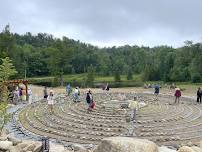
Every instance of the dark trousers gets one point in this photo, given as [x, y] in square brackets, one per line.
[199, 99]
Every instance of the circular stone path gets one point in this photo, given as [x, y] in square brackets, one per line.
[163, 122]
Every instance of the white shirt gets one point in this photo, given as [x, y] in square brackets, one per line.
[76, 91]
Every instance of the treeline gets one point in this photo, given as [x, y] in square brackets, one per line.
[43, 55]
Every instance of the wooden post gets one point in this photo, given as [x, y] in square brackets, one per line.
[26, 90]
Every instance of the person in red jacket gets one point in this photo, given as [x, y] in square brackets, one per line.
[177, 95]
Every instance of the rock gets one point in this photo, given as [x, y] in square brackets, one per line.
[30, 147]
[56, 147]
[200, 143]
[38, 147]
[77, 147]
[14, 149]
[14, 140]
[190, 144]
[24, 144]
[3, 137]
[126, 144]
[173, 146]
[4, 145]
[186, 149]
[196, 149]
[166, 149]
[4, 132]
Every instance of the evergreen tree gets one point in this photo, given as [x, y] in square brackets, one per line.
[117, 76]
[129, 74]
[6, 70]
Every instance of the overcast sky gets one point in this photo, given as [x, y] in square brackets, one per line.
[108, 22]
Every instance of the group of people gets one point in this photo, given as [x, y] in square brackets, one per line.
[49, 97]
[76, 93]
[20, 94]
[178, 94]
[76, 96]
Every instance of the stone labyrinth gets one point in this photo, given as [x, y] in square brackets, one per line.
[162, 122]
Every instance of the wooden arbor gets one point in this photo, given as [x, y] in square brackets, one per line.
[16, 82]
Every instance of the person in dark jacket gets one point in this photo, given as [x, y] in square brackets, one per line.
[199, 94]
[89, 99]
[45, 93]
[156, 91]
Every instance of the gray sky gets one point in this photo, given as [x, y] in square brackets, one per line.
[108, 22]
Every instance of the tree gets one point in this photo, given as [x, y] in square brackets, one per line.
[90, 76]
[129, 74]
[117, 76]
[4, 115]
[195, 77]
[6, 70]
[7, 42]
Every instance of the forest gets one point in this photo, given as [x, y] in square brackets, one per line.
[44, 55]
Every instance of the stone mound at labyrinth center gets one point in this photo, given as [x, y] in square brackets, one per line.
[162, 122]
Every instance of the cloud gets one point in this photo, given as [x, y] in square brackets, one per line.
[107, 22]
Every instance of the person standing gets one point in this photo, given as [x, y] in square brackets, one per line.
[45, 93]
[177, 95]
[15, 96]
[134, 106]
[89, 100]
[29, 95]
[107, 87]
[20, 94]
[68, 89]
[76, 94]
[50, 101]
[156, 91]
[24, 95]
[199, 94]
